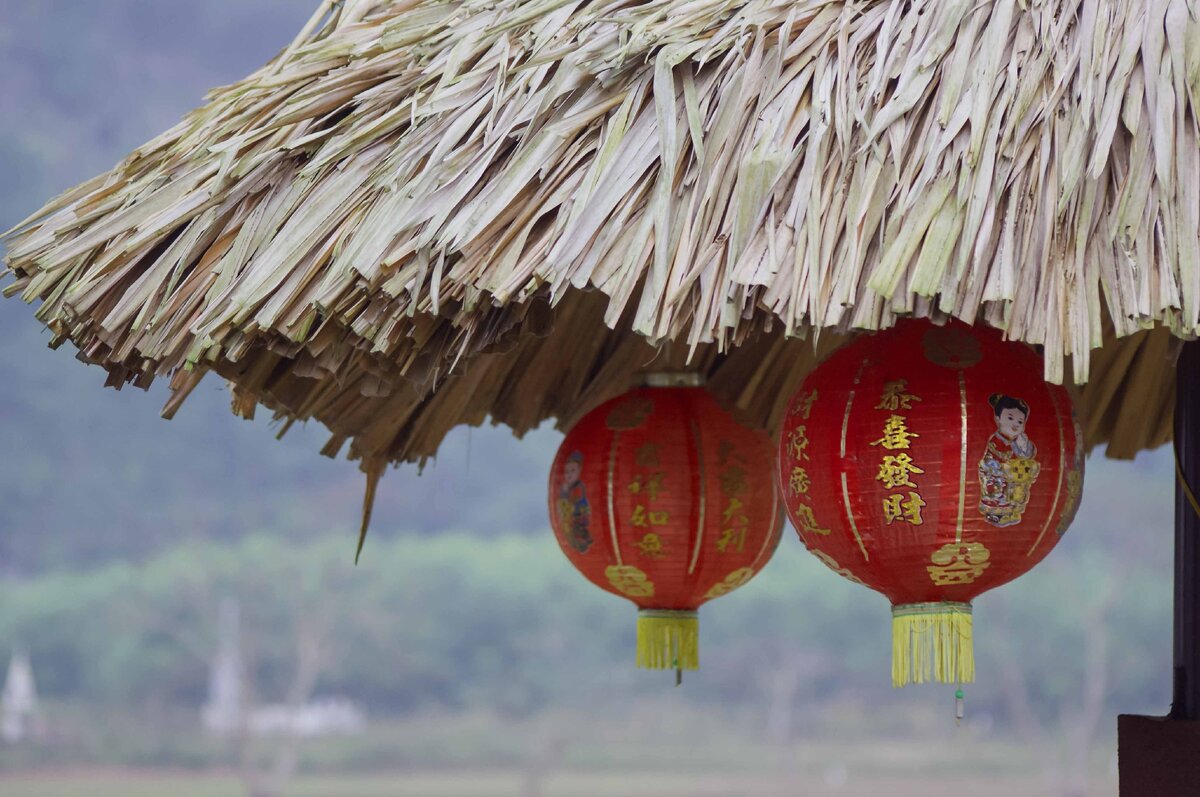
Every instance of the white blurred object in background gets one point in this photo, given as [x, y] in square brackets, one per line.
[18, 702]
[222, 714]
[328, 717]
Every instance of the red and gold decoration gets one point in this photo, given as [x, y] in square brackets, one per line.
[661, 497]
[931, 464]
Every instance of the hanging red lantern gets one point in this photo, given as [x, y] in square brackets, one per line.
[931, 464]
[661, 497]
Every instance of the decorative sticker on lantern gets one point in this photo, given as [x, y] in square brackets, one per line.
[896, 470]
[574, 512]
[958, 563]
[1009, 465]
[731, 582]
[732, 478]
[629, 580]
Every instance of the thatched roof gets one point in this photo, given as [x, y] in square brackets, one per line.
[425, 213]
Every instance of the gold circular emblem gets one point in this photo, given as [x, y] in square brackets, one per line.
[731, 582]
[629, 580]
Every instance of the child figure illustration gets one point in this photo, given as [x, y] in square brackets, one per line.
[573, 510]
[1009, 466]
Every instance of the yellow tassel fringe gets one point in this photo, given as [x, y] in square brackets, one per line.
[668, 640]
[932, 641]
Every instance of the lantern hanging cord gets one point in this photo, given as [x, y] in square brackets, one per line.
[1187, 488]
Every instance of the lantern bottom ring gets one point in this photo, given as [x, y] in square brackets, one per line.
[932, 642]
[668, 639]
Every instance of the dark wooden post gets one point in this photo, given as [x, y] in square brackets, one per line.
[1185, 704]
[1160, 756]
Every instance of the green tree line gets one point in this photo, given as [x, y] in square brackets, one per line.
[458, 622]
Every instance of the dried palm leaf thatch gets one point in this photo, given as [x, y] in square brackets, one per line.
[427, 212]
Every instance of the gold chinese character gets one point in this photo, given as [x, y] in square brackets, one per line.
[726, 453]
[895, 507]
[649, 484]
[806, 523]
[895, 434]
[798, 442]
[651, 546]
[733, 480]
[734, 537]
[803, 404]
[647, 456]
[630, 414]
[894, 398]
[642, 518]
[895, 471]
[799, 482]
[732, 508]
[1074, 490]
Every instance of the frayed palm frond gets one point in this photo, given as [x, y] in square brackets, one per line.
[425, 213]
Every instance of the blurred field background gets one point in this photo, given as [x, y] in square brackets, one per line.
[482, 663]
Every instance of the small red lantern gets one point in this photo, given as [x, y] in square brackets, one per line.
[661, 497]
[931, 464]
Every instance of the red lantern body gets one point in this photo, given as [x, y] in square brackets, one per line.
[661, 497]
[931, 464]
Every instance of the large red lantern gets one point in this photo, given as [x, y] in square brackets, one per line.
[661, 497]
[931, 464]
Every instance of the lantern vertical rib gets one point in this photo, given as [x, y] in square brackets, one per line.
[1062, 459]
[702, 505]
[962, 458]
[610, 495]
